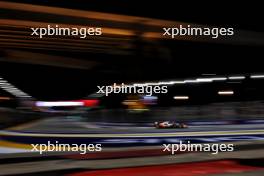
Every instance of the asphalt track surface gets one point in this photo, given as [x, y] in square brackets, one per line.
[72, 125]
[152, 163]
[194, 164]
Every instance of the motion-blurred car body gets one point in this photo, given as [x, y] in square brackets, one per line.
[169, 124]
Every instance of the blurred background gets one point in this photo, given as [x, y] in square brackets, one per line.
[48, 88]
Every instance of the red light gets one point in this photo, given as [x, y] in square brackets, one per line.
[90, 103]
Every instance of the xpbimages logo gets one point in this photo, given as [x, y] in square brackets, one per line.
[197, 31]
[65, 31]
[148, 90]
[60, 147]
[204, 147]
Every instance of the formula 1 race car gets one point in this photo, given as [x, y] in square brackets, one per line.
[168, 124]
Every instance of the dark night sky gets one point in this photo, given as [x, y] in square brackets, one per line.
[187, 59]
[238, 14]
